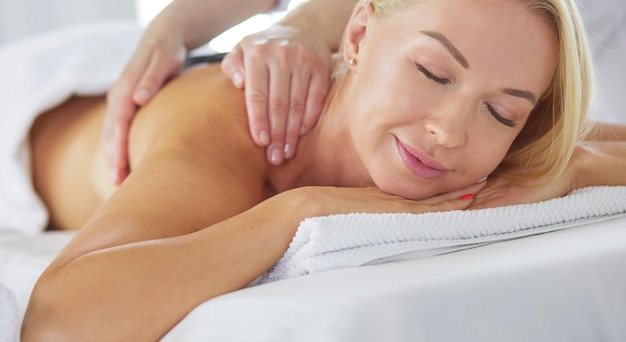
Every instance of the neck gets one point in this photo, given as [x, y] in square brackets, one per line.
[326, 155]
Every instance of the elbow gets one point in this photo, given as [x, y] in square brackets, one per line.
[46, 317]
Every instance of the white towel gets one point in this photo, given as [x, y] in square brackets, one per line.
[37, 74]
[337, 241]
[9, 320]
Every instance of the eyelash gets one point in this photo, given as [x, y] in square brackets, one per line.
[445, 81]
[430, 75]
[500, 118]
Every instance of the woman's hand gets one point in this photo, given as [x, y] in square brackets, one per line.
[286, 75]
[154, 61]
[322, 201]
[502, 191]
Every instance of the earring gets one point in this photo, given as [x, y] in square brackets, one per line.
[352, 62]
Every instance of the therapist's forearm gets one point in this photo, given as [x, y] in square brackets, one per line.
[198, 21]
[327, 18]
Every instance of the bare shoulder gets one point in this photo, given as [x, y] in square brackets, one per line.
[201, 115]
[199, 108]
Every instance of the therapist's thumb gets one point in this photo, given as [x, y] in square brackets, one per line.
[232, 66]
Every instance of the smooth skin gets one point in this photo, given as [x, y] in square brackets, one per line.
[203, 214]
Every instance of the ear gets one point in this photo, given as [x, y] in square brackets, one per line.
[356, 29]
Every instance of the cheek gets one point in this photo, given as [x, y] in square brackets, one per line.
[393, 93]
[486, 152]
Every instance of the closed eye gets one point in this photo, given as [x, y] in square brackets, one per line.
[431, 76]
[500, 118]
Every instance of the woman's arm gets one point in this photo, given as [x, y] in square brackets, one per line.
[599, 161]
[321, 19]
[196, 22]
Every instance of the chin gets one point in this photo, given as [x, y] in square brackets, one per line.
[413, 192]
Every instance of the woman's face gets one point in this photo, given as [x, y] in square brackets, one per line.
[443, 89]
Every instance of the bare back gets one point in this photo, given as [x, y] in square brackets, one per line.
[198, 117]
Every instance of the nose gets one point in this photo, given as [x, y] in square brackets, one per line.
[449, 124]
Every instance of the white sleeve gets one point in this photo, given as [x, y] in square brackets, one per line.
[281, 5]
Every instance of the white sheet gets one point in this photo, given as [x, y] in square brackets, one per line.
[562, 286]
[23, 257]
[9, 317]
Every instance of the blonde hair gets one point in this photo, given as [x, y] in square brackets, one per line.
[547, 141]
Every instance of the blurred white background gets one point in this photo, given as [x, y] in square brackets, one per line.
[147, 9]
[21, 18]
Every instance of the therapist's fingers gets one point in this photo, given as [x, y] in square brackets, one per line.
[279, 103]
[256, 80]
[297, 103]
[250, 71]
[120, 111]
[143, 76]
[232, 66]
[160, 67]
[316, 98]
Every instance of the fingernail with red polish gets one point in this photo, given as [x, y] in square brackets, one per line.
[467, 197]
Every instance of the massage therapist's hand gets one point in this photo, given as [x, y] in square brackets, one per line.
[154, 61]
[286, 75]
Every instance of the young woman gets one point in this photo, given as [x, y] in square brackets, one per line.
[433, 99]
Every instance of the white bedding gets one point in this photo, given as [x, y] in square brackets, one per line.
[566, 285]
[9, 317]
[560, 286]
[563, 286]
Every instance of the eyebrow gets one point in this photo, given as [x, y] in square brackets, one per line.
[521, 93]
[449, 46]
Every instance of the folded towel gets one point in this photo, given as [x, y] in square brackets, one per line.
[9, 320]
[350, 240]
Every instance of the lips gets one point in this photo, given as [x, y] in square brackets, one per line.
[418, 163]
